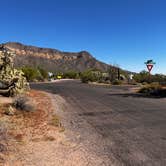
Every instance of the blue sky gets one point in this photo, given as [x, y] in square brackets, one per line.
[123, 32]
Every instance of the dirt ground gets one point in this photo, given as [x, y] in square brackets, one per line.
[118, 127]
[38, 138]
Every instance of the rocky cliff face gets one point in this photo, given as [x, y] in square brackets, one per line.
[52, 59]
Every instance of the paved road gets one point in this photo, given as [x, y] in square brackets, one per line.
[132, 128]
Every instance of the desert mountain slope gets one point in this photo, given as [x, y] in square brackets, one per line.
[52, 59]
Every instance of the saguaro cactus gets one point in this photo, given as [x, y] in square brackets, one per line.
[12, 81]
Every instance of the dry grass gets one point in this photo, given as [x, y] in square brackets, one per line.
[27, 125]
[3, 141]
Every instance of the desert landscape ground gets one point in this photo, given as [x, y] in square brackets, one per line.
[83, 83]
[116, 124]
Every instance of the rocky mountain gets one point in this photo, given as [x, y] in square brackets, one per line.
[52, 59]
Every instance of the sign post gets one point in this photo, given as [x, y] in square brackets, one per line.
[149, 65]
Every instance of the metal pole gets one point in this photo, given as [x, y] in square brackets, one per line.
[118, 74]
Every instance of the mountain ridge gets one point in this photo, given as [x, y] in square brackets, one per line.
[53, 59]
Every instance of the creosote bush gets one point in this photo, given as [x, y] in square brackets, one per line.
[152, 89]
[24, 103]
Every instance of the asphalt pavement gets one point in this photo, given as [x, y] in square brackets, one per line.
[129, 129]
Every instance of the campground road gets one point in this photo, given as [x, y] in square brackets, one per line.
[132, 128]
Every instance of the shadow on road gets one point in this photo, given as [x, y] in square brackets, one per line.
[95, 113]
[138, 95]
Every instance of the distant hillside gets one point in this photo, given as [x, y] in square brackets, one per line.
[52, 59]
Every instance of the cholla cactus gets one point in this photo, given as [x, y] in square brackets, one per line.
[12, 81]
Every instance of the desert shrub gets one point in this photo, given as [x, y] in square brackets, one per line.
[24, 103]
[90, 76]
[113, 73]
[116, 82]
[43, 73]
[71, 74]
[32, 74]
[151, 89]
[144, 76]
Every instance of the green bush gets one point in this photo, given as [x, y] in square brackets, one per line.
[90, 76]
[142, 77]
[43, 73]
[71, 75]
[33, 74]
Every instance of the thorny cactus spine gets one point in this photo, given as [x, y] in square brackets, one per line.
[12, 81]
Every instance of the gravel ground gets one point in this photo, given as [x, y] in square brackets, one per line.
[39, 143]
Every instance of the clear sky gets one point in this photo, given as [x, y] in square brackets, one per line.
[123, 32]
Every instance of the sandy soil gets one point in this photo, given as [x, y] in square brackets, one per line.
[5, 100]
[37, 140]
